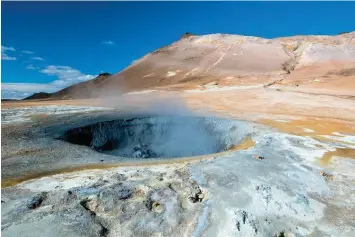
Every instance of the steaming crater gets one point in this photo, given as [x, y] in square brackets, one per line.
[160, 137]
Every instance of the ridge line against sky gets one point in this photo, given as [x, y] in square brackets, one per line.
[44, 51]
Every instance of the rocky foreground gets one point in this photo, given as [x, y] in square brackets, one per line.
[278, 185]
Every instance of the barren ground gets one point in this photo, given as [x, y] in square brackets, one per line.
[306, 170]
[289, 170]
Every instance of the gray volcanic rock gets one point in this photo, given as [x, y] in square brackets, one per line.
[224, 194]
[143, 206]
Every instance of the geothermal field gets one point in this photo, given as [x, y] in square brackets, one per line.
[214, 135]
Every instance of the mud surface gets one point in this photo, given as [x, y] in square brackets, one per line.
[159, 136]
[268, 183]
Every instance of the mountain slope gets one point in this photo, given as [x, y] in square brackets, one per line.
[86, 89]
[196, 62]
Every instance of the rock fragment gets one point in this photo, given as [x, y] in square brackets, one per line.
[258, 157]
[36, 201]
[157, 207]
[327, 176]
[197, 197]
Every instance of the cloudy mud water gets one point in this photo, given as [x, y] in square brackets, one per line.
[159, 136]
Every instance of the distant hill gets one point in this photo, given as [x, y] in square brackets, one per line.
[9, 100]
[37, 96]
[81, 90]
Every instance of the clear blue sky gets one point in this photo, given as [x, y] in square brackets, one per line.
[78, 40]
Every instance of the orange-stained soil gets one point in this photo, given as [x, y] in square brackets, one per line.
[319, 126]
[339, 152]
[291, 112]
[245, 144]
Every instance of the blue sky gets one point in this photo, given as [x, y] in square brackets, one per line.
[50, 45]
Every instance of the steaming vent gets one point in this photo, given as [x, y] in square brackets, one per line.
[159, 137]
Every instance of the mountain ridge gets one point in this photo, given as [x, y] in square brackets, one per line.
[194, 61]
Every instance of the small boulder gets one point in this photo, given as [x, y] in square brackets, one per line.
[36, 201]
[197, 197]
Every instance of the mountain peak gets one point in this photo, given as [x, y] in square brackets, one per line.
[186, 35]
[104, 74]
